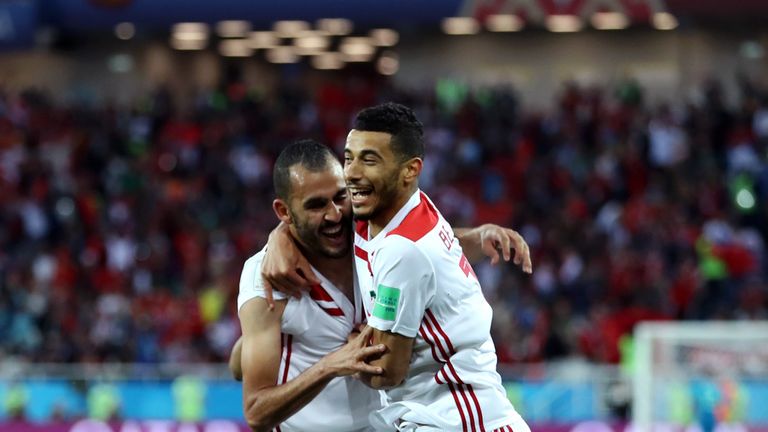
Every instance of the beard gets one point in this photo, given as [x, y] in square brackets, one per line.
[386, 195]
[311, 237]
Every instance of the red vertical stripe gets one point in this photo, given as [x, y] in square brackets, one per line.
[477, 407]
[469, 407]
[430, 319]
[440, 330]
[288, 343]
[458, 405]
[437, 341]
[429, 342]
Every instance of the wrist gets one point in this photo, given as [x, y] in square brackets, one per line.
[325, 370]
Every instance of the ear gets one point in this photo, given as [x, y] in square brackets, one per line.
[412, 170]
[281, 211]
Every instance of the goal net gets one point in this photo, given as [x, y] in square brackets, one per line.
[703, 376]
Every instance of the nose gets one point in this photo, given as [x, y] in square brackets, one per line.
[351, 170]
[334, 213]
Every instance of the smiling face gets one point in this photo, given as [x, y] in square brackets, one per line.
[377, 179]
[318, 210]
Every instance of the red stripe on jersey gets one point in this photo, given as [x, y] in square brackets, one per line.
[334, 312]
[458, 405]
[440, 330]
[361, 228]
[288, 343]
[418, 222]
[480, 420]
[451, 349]
[429, 342]
[277, 429]
[436, 340]
[363, 255]
[317, 292]
[469, 407]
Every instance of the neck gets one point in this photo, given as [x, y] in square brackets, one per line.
[381, 220]
[336, 270]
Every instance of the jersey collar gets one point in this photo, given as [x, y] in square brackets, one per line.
[411, 204]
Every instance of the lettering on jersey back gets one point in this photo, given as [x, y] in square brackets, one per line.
[466, 267]
[446, 237]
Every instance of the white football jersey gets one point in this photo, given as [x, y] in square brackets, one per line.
[313, 326]
[418, 283]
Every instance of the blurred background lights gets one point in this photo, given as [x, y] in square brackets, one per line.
[504, 23]
[125, 31]
[233, 28]
[460, 26]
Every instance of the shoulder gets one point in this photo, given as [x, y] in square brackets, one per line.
[251, 283]
[252, 267]
[401, 252]
[419, 221]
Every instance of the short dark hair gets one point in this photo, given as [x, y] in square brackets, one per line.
[400, 122]
[308, 153]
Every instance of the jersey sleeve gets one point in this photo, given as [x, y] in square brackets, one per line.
[251, 283]
[404, 280]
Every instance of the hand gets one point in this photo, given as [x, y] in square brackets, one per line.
[494, 238]
[355, 332]
[351, 358]
[284, 267]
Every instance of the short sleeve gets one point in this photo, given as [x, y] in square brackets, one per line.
[404, 280]
[251, 283]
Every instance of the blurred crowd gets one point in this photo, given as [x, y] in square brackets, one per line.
[123, 231]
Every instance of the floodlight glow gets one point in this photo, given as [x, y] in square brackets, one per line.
[384, 37]
[282, 55]
[745, 199]
[263, 39]
[609, 21]
[460, 26]
[563, 23]
[388, 63]
[290, 29]
[233, 28]
[235, 48]
[664, 21]
[125, 31]
[188, 44]
[357, 46]
[328, 61]
[190, 31]
[335, 26]
[504, 23]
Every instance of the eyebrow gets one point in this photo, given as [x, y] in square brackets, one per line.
[365, 152]
[315, 202]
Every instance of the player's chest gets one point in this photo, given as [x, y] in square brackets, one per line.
[364, 276]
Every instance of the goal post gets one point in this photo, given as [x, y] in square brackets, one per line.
[699, 372]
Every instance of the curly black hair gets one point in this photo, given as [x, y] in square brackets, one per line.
[400, 122]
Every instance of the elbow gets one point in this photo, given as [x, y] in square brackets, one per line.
[236, 372]
[256, 418]
[258, 423]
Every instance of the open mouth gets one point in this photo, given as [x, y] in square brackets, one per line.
[359, 196]
[333, 232]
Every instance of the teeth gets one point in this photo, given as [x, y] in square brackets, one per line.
[334, 230]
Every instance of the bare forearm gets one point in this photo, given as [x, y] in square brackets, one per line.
[273, 405]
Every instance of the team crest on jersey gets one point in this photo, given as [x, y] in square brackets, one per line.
[387, 300]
